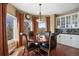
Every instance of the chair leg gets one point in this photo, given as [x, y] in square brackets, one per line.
[26, 52]
[53, 52]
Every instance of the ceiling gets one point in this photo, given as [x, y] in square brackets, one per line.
[46, 8]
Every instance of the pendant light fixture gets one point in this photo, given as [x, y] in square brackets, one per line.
[40, 16]
[40, 12]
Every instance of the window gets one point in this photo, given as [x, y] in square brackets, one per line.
[27, 26]
[41, 26]
[9, 27]
[11, 32]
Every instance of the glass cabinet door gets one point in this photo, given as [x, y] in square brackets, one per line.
[62, 22]
[68, 21]
[75, 20]
[58, 22]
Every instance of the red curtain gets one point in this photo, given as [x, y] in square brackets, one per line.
[20, 18]
[3, 40]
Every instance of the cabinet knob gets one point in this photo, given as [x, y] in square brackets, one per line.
[70, 37]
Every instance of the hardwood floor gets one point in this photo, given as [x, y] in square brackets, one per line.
[35, 52]
[63, 50]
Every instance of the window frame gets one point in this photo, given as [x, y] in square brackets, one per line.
[12, 44]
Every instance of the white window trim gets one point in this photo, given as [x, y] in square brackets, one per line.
[15, 34]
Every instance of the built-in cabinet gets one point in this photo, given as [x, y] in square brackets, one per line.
[68, 22]
[70, 40]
